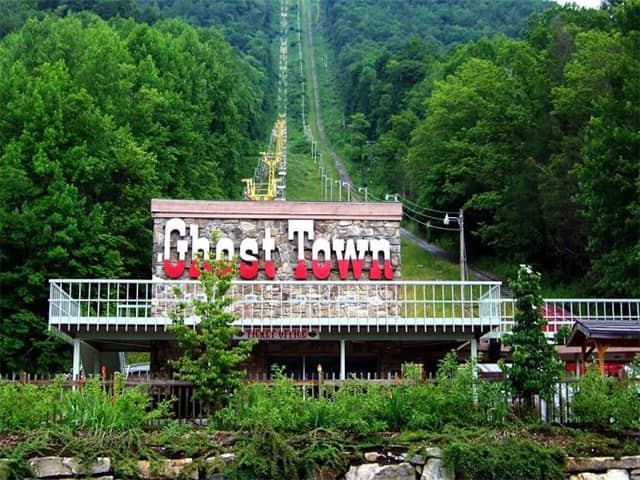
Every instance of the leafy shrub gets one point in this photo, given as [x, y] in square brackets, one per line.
[606, 402]
[512, 458]
[364, 409]
[265, 454]
[91, 408]
[26, 407]
[94, 409]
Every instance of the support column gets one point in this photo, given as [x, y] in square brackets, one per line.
[474, 367]
[343, 360]
[304, 367]
[474, 356]
[76, 359]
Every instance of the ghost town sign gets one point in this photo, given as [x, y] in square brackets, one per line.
[349, 254]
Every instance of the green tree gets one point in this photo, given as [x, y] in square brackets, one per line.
[535, 367]
[97, 119]
[471, 150]
[358, 133]
[211, 358]
[606, 73]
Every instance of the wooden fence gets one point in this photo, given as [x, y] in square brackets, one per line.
[185, 407]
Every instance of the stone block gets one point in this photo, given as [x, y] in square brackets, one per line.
[601, 464]
[617, 474]
[167, 469]
[371, 457]
[631, 462]
[588, 464]
[434, 470]
[46, 467]
[374, 471]
[612, 474]
[433, 452]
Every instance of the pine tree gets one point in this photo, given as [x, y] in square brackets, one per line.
[535, 366]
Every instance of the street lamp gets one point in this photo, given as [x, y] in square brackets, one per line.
[339, 189]
[390, 196]
[463, 253]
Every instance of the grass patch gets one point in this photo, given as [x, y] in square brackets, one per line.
[419, 264]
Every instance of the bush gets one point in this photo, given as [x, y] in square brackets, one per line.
[606, 402]
[512, 458]
[364, 409]
[91, 408]
[27, 407]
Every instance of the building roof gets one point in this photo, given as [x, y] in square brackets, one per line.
[229, 209]
[612, 332]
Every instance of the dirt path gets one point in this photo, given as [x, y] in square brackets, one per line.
[335, 158]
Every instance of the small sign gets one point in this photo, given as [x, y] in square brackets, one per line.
[279, 334]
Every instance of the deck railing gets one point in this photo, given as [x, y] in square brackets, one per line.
[434, 305]
[563, 312]
[259, 304]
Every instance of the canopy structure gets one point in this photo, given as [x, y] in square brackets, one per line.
[600, 335]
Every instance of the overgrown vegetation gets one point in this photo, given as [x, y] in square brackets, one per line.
[280, 433]
[536, 138]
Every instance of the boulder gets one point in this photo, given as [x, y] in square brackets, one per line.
[374, 471]
[613, 474]
[46, 467]
[434, 470]
[433, 452]
[167, 469]
[588, 464]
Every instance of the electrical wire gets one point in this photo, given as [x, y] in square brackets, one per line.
[418, 206]
[429, 225]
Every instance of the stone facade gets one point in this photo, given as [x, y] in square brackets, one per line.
[240, 220]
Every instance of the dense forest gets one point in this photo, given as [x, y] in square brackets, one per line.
[536, 138]
[99, 116]
[108, 103]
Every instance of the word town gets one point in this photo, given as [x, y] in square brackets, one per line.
[350, 255]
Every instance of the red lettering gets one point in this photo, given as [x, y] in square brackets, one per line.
[269, 270]
[173, 271]
[321, 272]
[301, 270]
[248, 270]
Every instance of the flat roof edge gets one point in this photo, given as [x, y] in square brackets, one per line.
[386, 211]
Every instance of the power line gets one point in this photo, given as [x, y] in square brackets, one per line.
[418, 206]
[430, 217]
[428, 224]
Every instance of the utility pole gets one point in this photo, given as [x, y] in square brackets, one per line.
[463, 250]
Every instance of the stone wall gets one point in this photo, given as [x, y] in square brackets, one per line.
[424, 465]
[368, 221]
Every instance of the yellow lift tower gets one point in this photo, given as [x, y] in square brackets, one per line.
[271, 162]
[265, 184]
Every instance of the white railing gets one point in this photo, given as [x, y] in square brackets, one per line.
[563, 312]
[432, 305]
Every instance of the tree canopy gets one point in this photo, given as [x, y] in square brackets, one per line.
[98, 118]
[536, 138]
